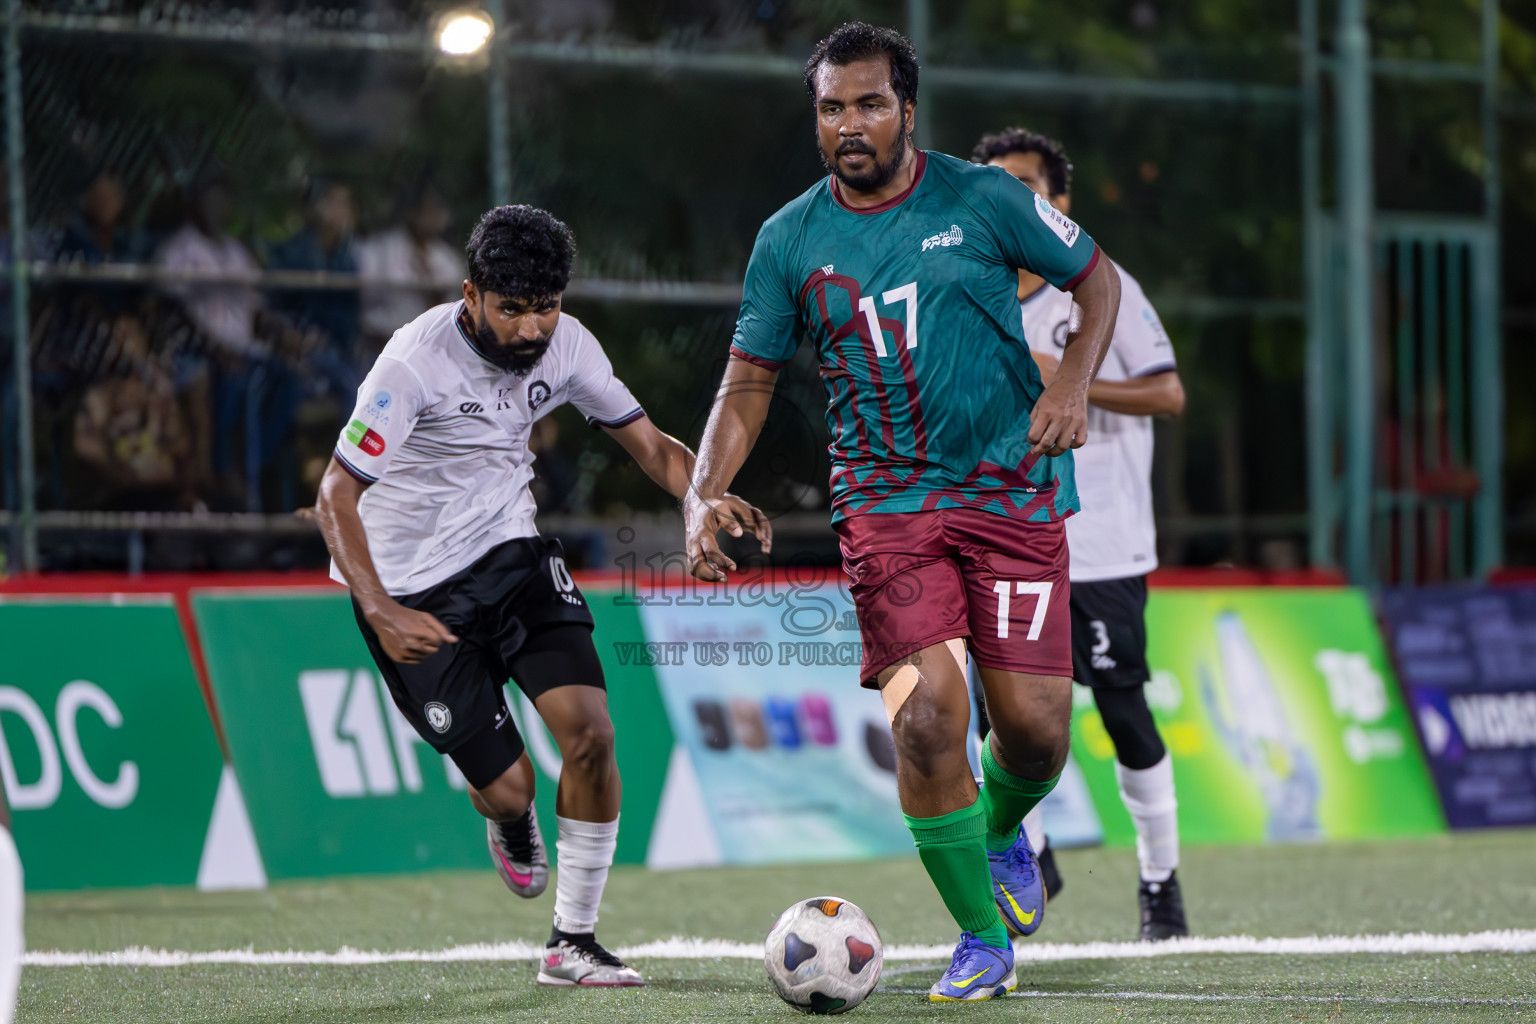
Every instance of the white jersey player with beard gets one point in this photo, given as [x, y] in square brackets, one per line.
[427, 512]
[452, 430]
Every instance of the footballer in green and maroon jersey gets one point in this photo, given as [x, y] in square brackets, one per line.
[951, 464]
[911, 307]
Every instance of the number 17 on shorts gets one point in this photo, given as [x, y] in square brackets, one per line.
[1005, 591]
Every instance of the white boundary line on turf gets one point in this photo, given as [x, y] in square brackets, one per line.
[1248, 997]
[1507, 941]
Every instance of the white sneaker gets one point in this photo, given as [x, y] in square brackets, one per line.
[584, 962]
[517, 850]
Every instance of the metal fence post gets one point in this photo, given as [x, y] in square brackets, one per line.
[917, 31]
[498, 108]
[1356, 200]
[1487, 371]
[1321, 513]
[21, 361]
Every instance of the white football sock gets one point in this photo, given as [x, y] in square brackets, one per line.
[11, 944]
[1149, 797]
[584, 853]
[1034, 828]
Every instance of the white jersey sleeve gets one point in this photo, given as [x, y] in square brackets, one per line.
[1140, 344]
[594, 390]
[389, 402]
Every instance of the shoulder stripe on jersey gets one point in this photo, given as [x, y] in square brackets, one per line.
[1157, 368]
[359, 474]
[1082, 275]
[622, 421]
[767, 364]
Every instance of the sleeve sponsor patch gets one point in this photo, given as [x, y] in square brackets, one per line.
[365, 438]
[1064, 227]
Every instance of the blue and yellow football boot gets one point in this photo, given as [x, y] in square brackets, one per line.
[977, 971]
[1017, 886]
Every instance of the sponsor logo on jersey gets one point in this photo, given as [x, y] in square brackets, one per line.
[827, 270]
[944, 239]
[1064, 227]
[538, 394]
[438, 716]
[503, 399]
[470, 408]
[377, 408]
[365, 438]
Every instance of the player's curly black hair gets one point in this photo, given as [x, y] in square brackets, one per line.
[859, 41]
[1058, 169]
[521, 252]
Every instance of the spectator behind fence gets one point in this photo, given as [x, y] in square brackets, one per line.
[330, 314]
[96, 232]
[408, 269]
[225, 311]
[250, 381]
[130, 431]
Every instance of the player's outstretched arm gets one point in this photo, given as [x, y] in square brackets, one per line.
[670, 463]
[741, 407]
[406, 635]
[1156, 394]
[1059, 420]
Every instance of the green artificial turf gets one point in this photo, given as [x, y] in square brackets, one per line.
[1457, 884]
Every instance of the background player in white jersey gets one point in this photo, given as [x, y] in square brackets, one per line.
[428, 516]
[1113, 540]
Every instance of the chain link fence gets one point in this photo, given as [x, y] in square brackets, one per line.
[228, 208]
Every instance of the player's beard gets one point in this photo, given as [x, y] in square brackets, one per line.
[879, 174]
[516, 363]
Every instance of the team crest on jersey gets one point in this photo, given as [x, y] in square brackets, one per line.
[944, 239]
[1064, 227]
[439, 717]
[538, 394]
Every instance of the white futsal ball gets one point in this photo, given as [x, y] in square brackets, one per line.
[823, 956]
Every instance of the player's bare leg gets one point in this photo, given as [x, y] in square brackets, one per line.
[512, 829]
[587, 810]
[1030, 716]
[577, 717]
[928, 704]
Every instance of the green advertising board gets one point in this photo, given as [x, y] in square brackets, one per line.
[1282, 716]
[337, 782]
[107, 753]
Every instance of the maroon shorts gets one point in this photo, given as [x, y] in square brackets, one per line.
[920, 578]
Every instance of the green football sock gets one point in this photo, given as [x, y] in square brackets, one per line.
[1006, 799]
[955, 857]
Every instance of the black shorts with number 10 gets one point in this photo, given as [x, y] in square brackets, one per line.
[1109, 633]
[518, 615]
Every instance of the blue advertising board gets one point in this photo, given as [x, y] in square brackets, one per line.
[1467, 660]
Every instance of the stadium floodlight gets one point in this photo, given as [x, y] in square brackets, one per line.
[464, 33]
